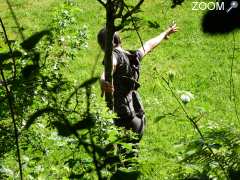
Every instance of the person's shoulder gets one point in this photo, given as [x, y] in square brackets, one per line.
[130, 54]
[118, 56]
[139, 54]
[136, 54]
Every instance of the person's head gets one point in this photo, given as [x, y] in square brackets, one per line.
[102, 39]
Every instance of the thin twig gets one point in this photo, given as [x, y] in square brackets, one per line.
[98, 169]
[95, 64]
[196, 127]
[231, 68]
[11, 107]
[133, 10]
[76, 99]
[135, 28]
[10, 49]
[15, 19]
[121, 8]
[88, 94]
[232, 85]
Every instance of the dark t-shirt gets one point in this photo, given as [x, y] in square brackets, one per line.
[126, 75]
[127, 102]
[125, 80]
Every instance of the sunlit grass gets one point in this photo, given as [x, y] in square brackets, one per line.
[201, 63]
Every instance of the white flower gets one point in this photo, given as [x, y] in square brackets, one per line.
[186, 96]
[62, 39]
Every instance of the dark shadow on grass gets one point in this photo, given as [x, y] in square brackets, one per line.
[33, 40]
[134, 175]
[233, 174]
[176, 3]
[7, 137]
[22, 86]
[8, 55]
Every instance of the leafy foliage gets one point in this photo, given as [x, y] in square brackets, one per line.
[62, 132]
[199, 163]
[200, 63]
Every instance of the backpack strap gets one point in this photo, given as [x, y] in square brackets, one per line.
[127, 71]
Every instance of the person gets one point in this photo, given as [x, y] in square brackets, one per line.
[126, 70]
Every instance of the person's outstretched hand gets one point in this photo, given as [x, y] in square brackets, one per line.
[170, 30]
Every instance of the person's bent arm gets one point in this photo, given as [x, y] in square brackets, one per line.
[152, 43]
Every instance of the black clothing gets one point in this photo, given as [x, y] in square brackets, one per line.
[127, 103]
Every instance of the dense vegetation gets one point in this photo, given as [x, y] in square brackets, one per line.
[65, 130]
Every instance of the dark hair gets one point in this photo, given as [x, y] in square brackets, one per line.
[102, 38]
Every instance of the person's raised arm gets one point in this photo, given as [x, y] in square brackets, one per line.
[152, 43]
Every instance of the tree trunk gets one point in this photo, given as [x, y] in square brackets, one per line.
[108, 50]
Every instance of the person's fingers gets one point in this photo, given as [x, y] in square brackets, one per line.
[173, 26]
[174, 29]
[107, 84]
[102, 90]
[108, 88]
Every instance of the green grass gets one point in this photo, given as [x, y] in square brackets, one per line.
[201, 63]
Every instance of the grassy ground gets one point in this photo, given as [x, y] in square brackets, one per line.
[201, 64]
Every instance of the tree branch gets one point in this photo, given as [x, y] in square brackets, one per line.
[128, 14]
[133, 10]
[114, 9]
[110, 30]
[135, 27]
[121, 8]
